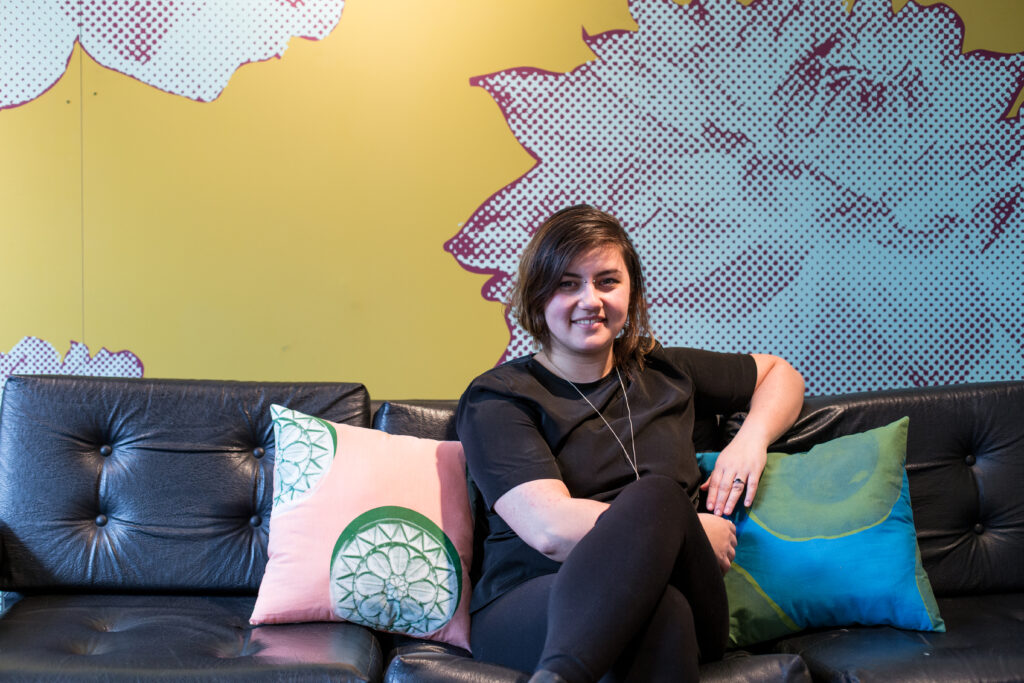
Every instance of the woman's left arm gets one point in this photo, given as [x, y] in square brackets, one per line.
[774, 406]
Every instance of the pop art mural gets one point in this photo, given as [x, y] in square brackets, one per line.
[32, 356]
[838, 187]
[831, 181]
[185, 47]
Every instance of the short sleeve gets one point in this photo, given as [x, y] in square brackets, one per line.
[723, 383]
[500, 434]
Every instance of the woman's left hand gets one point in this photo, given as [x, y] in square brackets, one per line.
[774, 405]
[737, 470]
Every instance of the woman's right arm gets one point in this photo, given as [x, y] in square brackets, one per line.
[546, 517]
[512, 465]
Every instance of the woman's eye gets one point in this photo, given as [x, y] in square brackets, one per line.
[568, 285]
[607, 282]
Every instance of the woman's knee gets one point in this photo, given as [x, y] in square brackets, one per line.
[658, 496]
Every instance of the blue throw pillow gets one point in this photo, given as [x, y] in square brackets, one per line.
[829, 541]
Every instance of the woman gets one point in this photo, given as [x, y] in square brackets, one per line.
[596, 562]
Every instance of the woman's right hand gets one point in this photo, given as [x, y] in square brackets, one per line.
[722, 534]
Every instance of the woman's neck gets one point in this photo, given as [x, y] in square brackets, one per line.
[577, 368]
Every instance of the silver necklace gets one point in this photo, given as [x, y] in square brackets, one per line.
[629, 415]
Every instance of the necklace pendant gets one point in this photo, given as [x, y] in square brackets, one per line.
[633, 463]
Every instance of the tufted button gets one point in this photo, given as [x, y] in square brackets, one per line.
[255, 520]
[978, 528]
[258, 452]
[106, 450]
[101, 520]
[970, 460]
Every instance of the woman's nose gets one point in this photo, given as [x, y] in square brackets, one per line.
[588, 294]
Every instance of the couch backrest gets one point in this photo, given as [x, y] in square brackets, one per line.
[144, 484]
[965, 466]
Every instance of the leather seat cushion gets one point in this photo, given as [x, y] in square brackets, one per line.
[982, 641]
[130, 637]
[436, 663]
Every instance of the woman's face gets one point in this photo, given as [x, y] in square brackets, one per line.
[589, 307]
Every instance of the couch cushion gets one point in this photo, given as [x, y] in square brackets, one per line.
[373, 528]
[144, 484]
[829, 541]
[432, 663]
[128, 637]
[965, 463]
[982, 642]
[428, 419]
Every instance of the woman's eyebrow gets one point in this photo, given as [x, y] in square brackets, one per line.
[610, 271]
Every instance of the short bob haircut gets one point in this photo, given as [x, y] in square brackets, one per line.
[566, 235]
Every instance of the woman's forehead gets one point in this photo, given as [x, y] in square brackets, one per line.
[600, 258]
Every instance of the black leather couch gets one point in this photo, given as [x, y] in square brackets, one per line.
[133, 536]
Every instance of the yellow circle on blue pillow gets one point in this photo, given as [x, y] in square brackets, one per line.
[835, 489]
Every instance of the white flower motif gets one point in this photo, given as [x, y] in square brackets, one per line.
[394, 569]
[185, 47]
[305, 449]
[839, 188]
[34, 356]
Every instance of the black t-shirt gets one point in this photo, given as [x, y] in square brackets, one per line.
[520, 422]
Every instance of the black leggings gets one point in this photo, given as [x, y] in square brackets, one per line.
[640, 598]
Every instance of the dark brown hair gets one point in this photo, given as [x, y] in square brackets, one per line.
[566, 235]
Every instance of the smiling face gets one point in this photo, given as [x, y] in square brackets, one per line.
[588, 309]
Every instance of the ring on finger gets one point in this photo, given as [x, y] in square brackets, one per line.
[739, 481]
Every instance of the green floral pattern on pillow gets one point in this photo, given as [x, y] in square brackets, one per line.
[830, 492]
[367, 527]
[829, 541]
[394, 569]
[305, 448]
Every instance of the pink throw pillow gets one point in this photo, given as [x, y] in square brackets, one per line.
[367, 527]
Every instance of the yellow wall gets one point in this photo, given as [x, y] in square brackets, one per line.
[293, 229]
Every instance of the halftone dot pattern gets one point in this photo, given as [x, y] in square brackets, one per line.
[184, 47]
[33, 356]
[839, 188]
[133, 29]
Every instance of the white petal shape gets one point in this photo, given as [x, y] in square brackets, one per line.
[378, 563]
[398, 558]
[417, 569]
[369, 584]
[423, 592]
[412, 611]
[185, 47]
